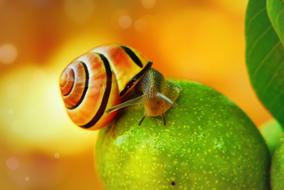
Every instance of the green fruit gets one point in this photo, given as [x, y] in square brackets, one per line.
[277, 168]
[272, 133]
[207, 143]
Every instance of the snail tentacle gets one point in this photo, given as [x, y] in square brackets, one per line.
[131, 102]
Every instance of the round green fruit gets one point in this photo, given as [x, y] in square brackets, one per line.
[207, 143]
[277, 168]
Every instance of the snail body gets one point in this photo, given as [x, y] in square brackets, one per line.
[93, 86]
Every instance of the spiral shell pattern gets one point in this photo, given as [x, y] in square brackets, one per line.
[87, 89]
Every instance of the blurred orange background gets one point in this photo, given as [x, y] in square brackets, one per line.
[199, 40]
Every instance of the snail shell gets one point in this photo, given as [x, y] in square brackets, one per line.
[97, 80]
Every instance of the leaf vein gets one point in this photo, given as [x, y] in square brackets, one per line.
[258, 39]
[274, 101]
[260, 65]
[275, 74]
[256, 15]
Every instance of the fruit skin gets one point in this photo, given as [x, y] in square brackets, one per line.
[207, 143]
[272, 133]
[277, 168]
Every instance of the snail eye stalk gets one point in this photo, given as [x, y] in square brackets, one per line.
[127, 103]
[165, 98]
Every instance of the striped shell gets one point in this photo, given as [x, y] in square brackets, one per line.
[97, 80]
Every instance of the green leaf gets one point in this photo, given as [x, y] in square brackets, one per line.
[265, 53]
[275, 9]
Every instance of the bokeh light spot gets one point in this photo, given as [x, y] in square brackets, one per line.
[27, 178]
[8, 53]
[56, 155]
[148, 4]
[124, 21]
[12, 163]
[79, 11]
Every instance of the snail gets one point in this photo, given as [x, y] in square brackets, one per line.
[100, 82]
